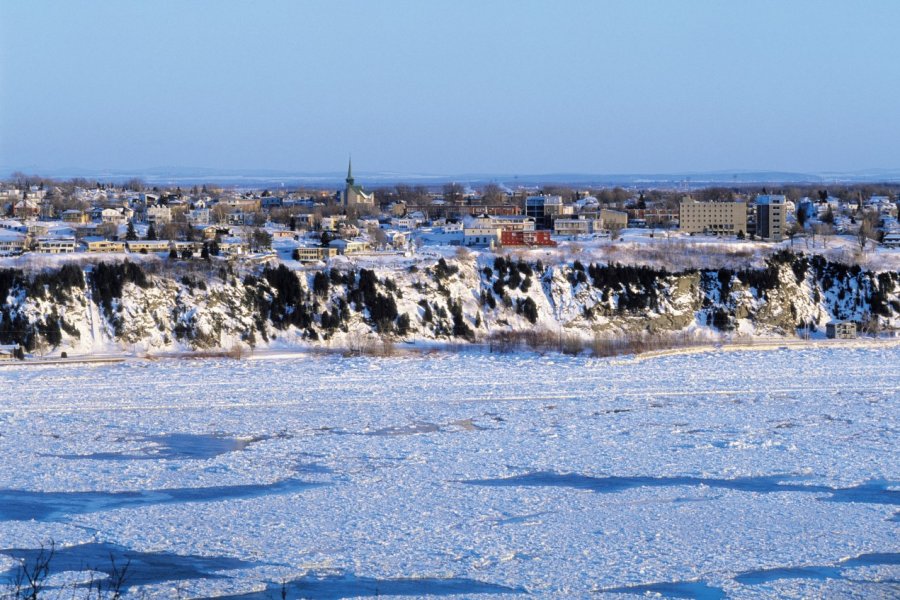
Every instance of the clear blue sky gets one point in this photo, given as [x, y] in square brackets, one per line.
[451, 86]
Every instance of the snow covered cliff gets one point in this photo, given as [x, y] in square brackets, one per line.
[123, 306]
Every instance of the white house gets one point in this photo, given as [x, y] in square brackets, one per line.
[112, 215]
[11, 242]
[349, 246]
[891, 240]
[55, 245]
[198, 216]
[480, 236]
[160, 215]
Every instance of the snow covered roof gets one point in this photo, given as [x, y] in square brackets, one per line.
[10, 234]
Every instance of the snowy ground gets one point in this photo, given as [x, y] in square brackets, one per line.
[741, 475]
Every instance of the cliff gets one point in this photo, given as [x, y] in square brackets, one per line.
[115, 307]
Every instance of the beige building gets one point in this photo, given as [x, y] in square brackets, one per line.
[103, 245]
[149, 246]
[613, 218]
[314, 254]
[579, 226]
[349, 246]
[719, 218]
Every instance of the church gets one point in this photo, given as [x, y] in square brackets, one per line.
[353, 195]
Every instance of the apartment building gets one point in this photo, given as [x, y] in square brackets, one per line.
[718, 218]
[770, 214]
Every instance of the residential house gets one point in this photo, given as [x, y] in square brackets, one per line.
[891, 240]
[197, 216]
[8, 351]
[113, 215]
[314, 254]
[74, 216]
[55, 245]
[145, 246]
[476, 235]
[842, 330]
[349, 246]
[99, 244]
[12, 242]
[159, 215]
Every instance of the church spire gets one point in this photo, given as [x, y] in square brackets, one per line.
[350, 171]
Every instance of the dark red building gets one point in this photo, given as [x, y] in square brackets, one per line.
[526, 238]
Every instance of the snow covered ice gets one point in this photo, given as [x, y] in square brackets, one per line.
[738, 474]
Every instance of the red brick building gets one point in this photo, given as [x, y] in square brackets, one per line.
[526, 238]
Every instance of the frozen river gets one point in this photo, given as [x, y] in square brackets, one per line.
[731, 475]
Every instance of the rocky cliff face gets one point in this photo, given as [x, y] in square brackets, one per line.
[123, 306]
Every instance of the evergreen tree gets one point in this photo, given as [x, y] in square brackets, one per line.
[320, 283]
[131, 234]
[151, 232]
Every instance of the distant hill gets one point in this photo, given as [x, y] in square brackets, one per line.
[273, 178]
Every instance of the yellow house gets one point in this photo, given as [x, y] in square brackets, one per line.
[149, 246]
[103, 245]
[78, 217]
[314, 254]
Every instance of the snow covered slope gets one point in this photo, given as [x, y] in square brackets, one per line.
[127, 307]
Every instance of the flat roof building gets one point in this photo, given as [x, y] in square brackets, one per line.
[719, 218]
[770, 214]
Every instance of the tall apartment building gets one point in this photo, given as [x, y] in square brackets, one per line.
[770, 214]
[720, 218]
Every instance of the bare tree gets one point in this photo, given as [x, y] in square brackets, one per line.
[378, 234]
[454, 193]
[615, 229]
[108, 230]
[792, 232]
[863, 234]
[825, 231]
[219, 213]
[493, 195]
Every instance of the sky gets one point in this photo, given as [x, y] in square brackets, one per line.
[450, 86]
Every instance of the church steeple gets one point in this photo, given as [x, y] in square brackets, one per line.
[350, 171]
